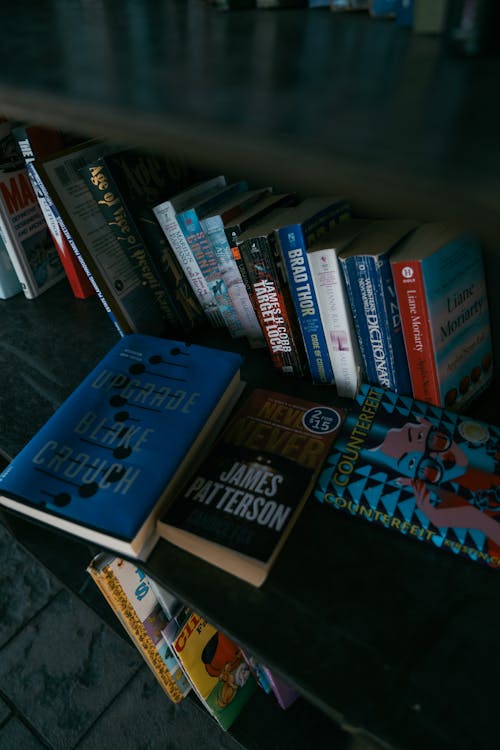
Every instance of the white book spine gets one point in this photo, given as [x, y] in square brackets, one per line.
[166, 215]
[337, 320]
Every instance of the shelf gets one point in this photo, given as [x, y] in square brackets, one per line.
[377, 631]
[382, 634]
[317, 101]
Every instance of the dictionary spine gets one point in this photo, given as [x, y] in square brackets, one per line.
[410, 292]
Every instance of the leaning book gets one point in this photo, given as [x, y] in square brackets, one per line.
[108, 460]
[129, 592]
[213, 663]
[422, 471]
[237, 510]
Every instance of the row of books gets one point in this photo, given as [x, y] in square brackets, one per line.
[185, 652]
[336, 300]
[156, 443]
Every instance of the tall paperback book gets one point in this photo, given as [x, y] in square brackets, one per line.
[420, 470]
[166, 214]
[300, 227]
[35, 141]
[189, 221]
[157, 311]
[128, 591]
[334, 308]
[238, 508]
[440, 285]
[106, 463]
[23, 228]
[366, 267]
[270, 295]
[111, 270]
[213, 225]
[143, 180]
[213, 663]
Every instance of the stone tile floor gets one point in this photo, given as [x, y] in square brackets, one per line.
[70, 679]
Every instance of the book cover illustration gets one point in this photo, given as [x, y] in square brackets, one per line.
[23, 228]
[214, 665]
[441, 289]
[107, 460]
[128, 591]
[426, 472]
[36, 142]
[238, 507]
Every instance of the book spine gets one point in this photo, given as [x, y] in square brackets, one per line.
[273, 306]
[378, 357]
[81, 260]
[94, 240]
[9, 281]
[348, 267]
[166, 215]
[26, 235]
[112, 590]
[337, 321]
[214, 230]
[79, 282]
[293, 247]
[183, 297]
[391, 326]
[158, 314]
[417, 335]
[204, 255]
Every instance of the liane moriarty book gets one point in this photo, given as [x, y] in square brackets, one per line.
[108, 460]
[421, 470]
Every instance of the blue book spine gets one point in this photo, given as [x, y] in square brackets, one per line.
[293, 247]
[378, 355]
[203, 252]
[348, 266]
[389, 311]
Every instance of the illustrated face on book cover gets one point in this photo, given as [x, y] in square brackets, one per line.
[455, 477]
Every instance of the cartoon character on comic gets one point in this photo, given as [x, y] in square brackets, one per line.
[223, 659]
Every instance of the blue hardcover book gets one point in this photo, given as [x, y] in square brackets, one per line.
[365, 262]
[300, 226]
[108, 460]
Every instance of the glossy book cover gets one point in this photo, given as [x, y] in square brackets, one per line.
[105, 461]
[238, 507]
[424, 471]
